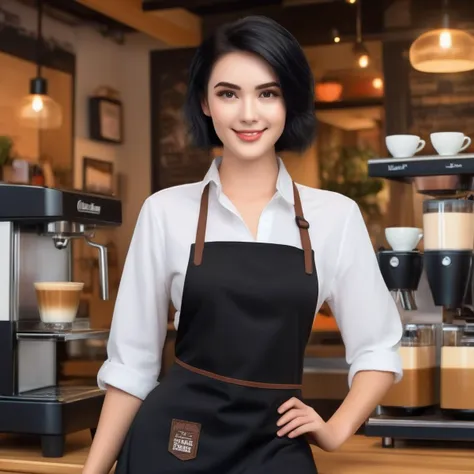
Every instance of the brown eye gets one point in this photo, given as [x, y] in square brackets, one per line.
[268, 94]
[226, 94]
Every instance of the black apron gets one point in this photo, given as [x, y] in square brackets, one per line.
[246, 317]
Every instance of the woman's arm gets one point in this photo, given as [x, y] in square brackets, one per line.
[368, 388]
[136, 338]
[300, 419]
[117, 414]
[371, 329]
[370, 326]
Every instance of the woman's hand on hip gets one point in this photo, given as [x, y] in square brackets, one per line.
[299, 419]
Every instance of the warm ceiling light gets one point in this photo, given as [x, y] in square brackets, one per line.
[444, 50]
[351, 1]
[377, 83]
[38, 110]
[362, 55]
[363, 61]
[360, 51]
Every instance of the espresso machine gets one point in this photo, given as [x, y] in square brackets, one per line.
[434, 400]
[38, 226]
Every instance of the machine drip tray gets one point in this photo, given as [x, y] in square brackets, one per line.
[60, 394]
[52, 413]
[36, 330]
[433, 426]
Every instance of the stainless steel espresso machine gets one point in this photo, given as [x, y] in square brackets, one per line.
[435, 399]
[37, 228]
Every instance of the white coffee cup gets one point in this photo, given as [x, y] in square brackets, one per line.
[404, 146]
[403, 239]
[449, 143]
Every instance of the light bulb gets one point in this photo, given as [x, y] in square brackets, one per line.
[363, 61]
[361, 55]
[37, 103]
[337, 39]
[377, 83]
[445, 40]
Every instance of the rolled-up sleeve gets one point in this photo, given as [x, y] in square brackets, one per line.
[364, 309]
[139, 322]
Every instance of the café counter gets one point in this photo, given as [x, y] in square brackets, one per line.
[324, 388]
[359, 455]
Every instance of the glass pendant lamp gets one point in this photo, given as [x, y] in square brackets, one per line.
[38, 110]
[444, 50]
[359, 50]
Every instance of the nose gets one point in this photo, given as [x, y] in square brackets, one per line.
[249, 112]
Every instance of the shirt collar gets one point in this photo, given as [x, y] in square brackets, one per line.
[284, 183]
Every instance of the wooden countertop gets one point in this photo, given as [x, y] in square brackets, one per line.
[360, 455]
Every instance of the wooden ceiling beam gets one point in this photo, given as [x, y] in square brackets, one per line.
[210, 6]
[190, 4]
[175, 27]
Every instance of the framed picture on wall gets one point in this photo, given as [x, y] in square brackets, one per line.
[105, 120]
[98, 176]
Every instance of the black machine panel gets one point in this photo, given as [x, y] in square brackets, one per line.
[39, 204]
[421, 166]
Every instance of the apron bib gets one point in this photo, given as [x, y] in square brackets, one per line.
[246, 317]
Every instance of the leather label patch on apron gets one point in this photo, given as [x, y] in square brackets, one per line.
[184, 439]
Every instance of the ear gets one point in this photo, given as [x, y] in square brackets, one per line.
[205, 107]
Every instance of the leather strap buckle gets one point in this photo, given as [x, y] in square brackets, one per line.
[301, 222]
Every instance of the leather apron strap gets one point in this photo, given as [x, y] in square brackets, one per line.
[201, 228]
[301, 222]
[303, 225]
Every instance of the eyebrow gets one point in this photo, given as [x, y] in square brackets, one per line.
[236, 87]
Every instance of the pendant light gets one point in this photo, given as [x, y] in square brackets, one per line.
[444, 50]
[37, 109]
[360, 51]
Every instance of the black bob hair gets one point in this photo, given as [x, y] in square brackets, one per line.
[273, 43]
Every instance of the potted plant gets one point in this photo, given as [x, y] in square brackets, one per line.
[344, 170]
[6, 146]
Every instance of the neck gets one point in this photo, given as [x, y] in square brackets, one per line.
[249, 180]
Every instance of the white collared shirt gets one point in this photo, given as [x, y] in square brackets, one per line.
[156, 263]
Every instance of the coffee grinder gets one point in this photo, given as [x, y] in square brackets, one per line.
[449, 246]
[443, 362]
[417, 392]
[401, 271]
[37, 227]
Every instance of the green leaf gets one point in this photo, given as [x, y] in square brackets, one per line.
[344, 170]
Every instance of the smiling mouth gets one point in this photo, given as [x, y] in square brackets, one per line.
[249, 135]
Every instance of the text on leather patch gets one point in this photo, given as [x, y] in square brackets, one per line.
[184, 439]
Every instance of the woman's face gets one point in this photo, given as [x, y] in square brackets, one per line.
[246, 105]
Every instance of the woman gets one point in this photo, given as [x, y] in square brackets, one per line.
[247, 257]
